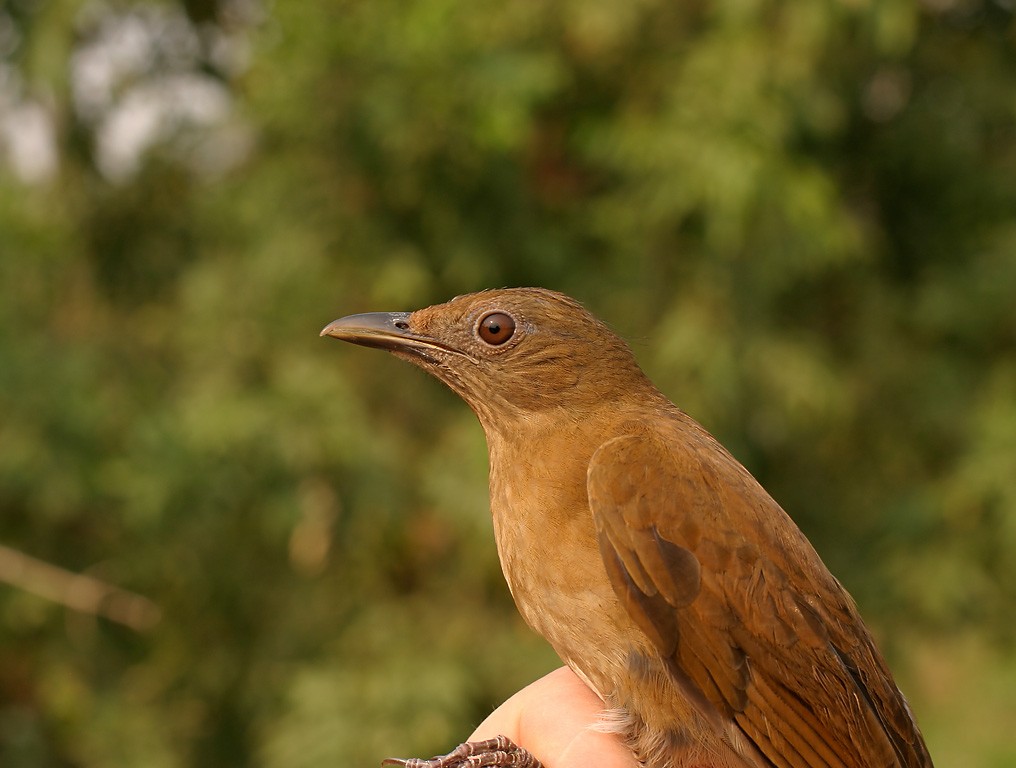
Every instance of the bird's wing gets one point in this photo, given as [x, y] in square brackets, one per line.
[741, 607]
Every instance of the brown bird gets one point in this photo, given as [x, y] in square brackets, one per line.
[656, 566]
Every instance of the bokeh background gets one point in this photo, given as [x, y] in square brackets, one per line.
[227, 542]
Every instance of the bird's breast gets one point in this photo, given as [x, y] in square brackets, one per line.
[546, 542]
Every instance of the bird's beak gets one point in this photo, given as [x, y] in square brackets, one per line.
[384, 330]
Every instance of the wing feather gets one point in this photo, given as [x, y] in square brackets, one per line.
[735, 598]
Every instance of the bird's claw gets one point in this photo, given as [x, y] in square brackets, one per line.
[499, 752]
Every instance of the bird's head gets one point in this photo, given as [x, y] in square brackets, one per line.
[508, 352]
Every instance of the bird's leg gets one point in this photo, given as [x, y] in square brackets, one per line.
[500, 752]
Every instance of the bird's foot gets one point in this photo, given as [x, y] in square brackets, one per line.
[500, 752]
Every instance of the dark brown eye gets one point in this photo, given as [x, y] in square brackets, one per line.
[496, 328]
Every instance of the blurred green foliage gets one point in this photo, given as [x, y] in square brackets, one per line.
[803, 216]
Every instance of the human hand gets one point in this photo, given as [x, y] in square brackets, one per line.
[552, 718]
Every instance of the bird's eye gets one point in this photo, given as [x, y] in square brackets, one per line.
[496, 328]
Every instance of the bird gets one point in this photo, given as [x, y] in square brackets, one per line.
[649, 558]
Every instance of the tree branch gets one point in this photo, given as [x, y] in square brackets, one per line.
[77, 591]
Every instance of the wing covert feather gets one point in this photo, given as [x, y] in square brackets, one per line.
[730, 591]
